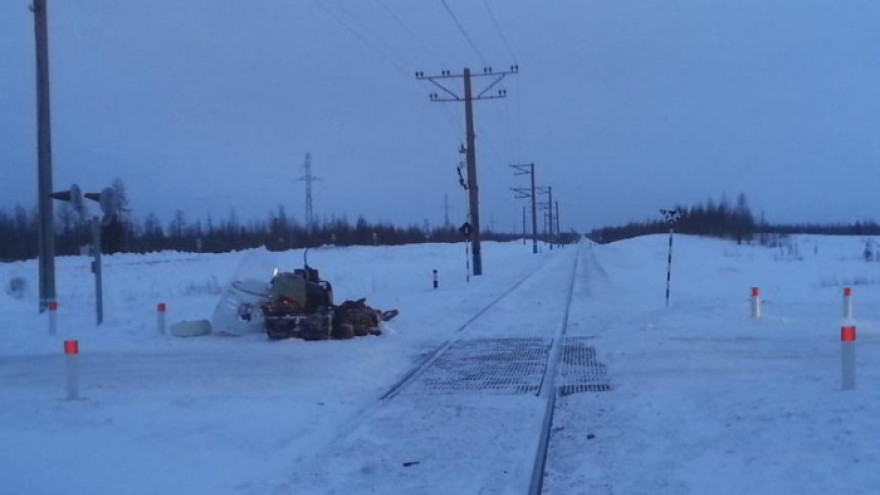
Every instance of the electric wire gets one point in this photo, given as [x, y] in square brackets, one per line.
[388, 47]
[464, 32]
[500, 31]
[409, 31]
[361, 37]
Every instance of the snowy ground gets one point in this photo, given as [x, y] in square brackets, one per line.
[704, 399]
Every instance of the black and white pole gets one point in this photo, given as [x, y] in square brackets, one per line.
[671, 217]
[71, 353]
[466, 230]
[848, 357]
[467, 263]
[436, 281]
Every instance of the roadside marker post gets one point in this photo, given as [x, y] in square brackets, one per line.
[847, 302]
[71, 353]
[53, 317]
[848, 357]
[756, 302]
[160, 318]
[436, 281]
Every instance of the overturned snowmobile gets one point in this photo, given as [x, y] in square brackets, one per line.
[296, 304]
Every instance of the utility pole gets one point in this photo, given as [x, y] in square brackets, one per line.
[46, 228]
[522, 193]
[557, 219]
[549, 207]
[470, 149]
[446, 211]
[524, 225]
[308, 178]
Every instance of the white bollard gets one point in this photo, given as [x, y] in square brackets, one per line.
[53, 317]
[756, 302]
[847, 302]
[848, 358]
[160, 318]
[71, 351]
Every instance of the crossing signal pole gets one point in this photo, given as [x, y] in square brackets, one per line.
[468, 98]
[523, 193]
[672, 217]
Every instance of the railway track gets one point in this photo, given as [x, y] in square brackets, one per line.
[548, 390]
[432, 357]
[479, 405]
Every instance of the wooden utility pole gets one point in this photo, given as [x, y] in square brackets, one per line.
[470, 136]
[46, 227]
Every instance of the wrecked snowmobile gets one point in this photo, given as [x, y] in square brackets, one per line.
[296, 304]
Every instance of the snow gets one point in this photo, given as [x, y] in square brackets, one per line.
[704, 399]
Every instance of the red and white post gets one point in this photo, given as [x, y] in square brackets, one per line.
[756, 302]
[71, 353]
[847, 302]
[848, 357]
[53, 317]
[160, 318]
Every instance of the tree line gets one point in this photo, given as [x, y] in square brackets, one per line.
[721, 219]
[278, 231]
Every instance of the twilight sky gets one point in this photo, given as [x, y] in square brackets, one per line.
[625, 106]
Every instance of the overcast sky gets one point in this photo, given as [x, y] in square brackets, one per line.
[625, 106]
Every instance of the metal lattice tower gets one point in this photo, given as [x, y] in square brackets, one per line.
[308, 178]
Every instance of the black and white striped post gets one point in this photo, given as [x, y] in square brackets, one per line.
[671, 217]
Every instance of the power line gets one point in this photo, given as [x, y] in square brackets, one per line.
[409, 31]
[388, 47]
[500, 32]
[464, 32]
[360, 37]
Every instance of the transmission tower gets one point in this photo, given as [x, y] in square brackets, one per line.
[468, 98]
[308, 178]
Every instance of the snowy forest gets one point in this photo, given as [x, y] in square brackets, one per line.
[278, 231]
[723, 220]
